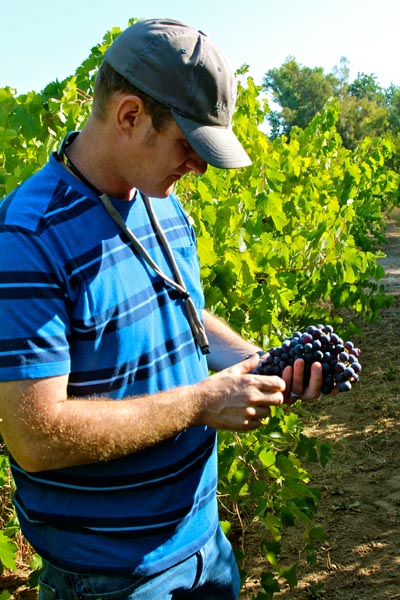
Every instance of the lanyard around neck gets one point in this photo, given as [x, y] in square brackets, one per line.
[196, 325]
[179, 285]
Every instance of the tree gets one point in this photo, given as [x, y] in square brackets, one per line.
[392, 97]
[301, 93]
[366, 86]
[363, 111]
[366, 109]
[342, 74]
[360, 118]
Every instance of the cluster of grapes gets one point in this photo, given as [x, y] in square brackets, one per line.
[340, 365]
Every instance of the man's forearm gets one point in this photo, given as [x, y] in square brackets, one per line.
[227, 347]
[45, 430]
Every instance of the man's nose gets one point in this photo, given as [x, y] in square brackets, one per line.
[196, 164]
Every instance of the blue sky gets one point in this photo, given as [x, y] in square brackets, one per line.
[41, 40]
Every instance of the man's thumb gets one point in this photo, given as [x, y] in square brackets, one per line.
[249, 363]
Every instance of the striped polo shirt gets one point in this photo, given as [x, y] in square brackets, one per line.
[76, 299]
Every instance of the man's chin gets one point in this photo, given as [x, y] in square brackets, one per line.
[159, 192]
[164, 193]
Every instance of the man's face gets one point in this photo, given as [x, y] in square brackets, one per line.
[164, 157]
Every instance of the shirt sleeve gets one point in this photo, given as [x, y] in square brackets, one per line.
[34, 323]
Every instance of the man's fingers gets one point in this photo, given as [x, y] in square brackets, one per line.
[287, 377]
[298, 377]
[294, 379]
[314, 387]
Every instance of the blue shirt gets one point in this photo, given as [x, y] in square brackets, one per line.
[76, 299]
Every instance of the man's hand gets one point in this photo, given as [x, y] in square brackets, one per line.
[237, 399]
[294, 380]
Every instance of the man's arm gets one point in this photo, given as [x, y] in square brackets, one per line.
[44, 429]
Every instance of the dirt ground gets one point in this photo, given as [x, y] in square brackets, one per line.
[360, 487]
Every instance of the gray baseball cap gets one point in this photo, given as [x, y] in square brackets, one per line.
[181, 68]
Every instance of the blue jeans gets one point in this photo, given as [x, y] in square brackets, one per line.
[210, 574]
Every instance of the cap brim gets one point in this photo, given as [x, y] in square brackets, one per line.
[218, 146]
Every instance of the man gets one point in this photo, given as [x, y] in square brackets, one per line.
[106, 405]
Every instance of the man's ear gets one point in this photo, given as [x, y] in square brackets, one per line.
[129, 111]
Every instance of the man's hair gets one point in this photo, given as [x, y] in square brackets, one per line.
[108, 82]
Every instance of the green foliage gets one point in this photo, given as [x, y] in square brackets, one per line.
[8, 547]
[10, 530]
[32, 125]
[393, 115]
[361, 117]
[366, 109]
[366, 86]
[8, 551]
[286, 242]
[262, 475]
[282, 244]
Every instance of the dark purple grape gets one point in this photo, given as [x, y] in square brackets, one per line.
[324, 340]
[344, 386]
[334, 338]
[349, 373]
[318, 356]
[326, 369]
[327, 388]
[317, 333]
[306, 338]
